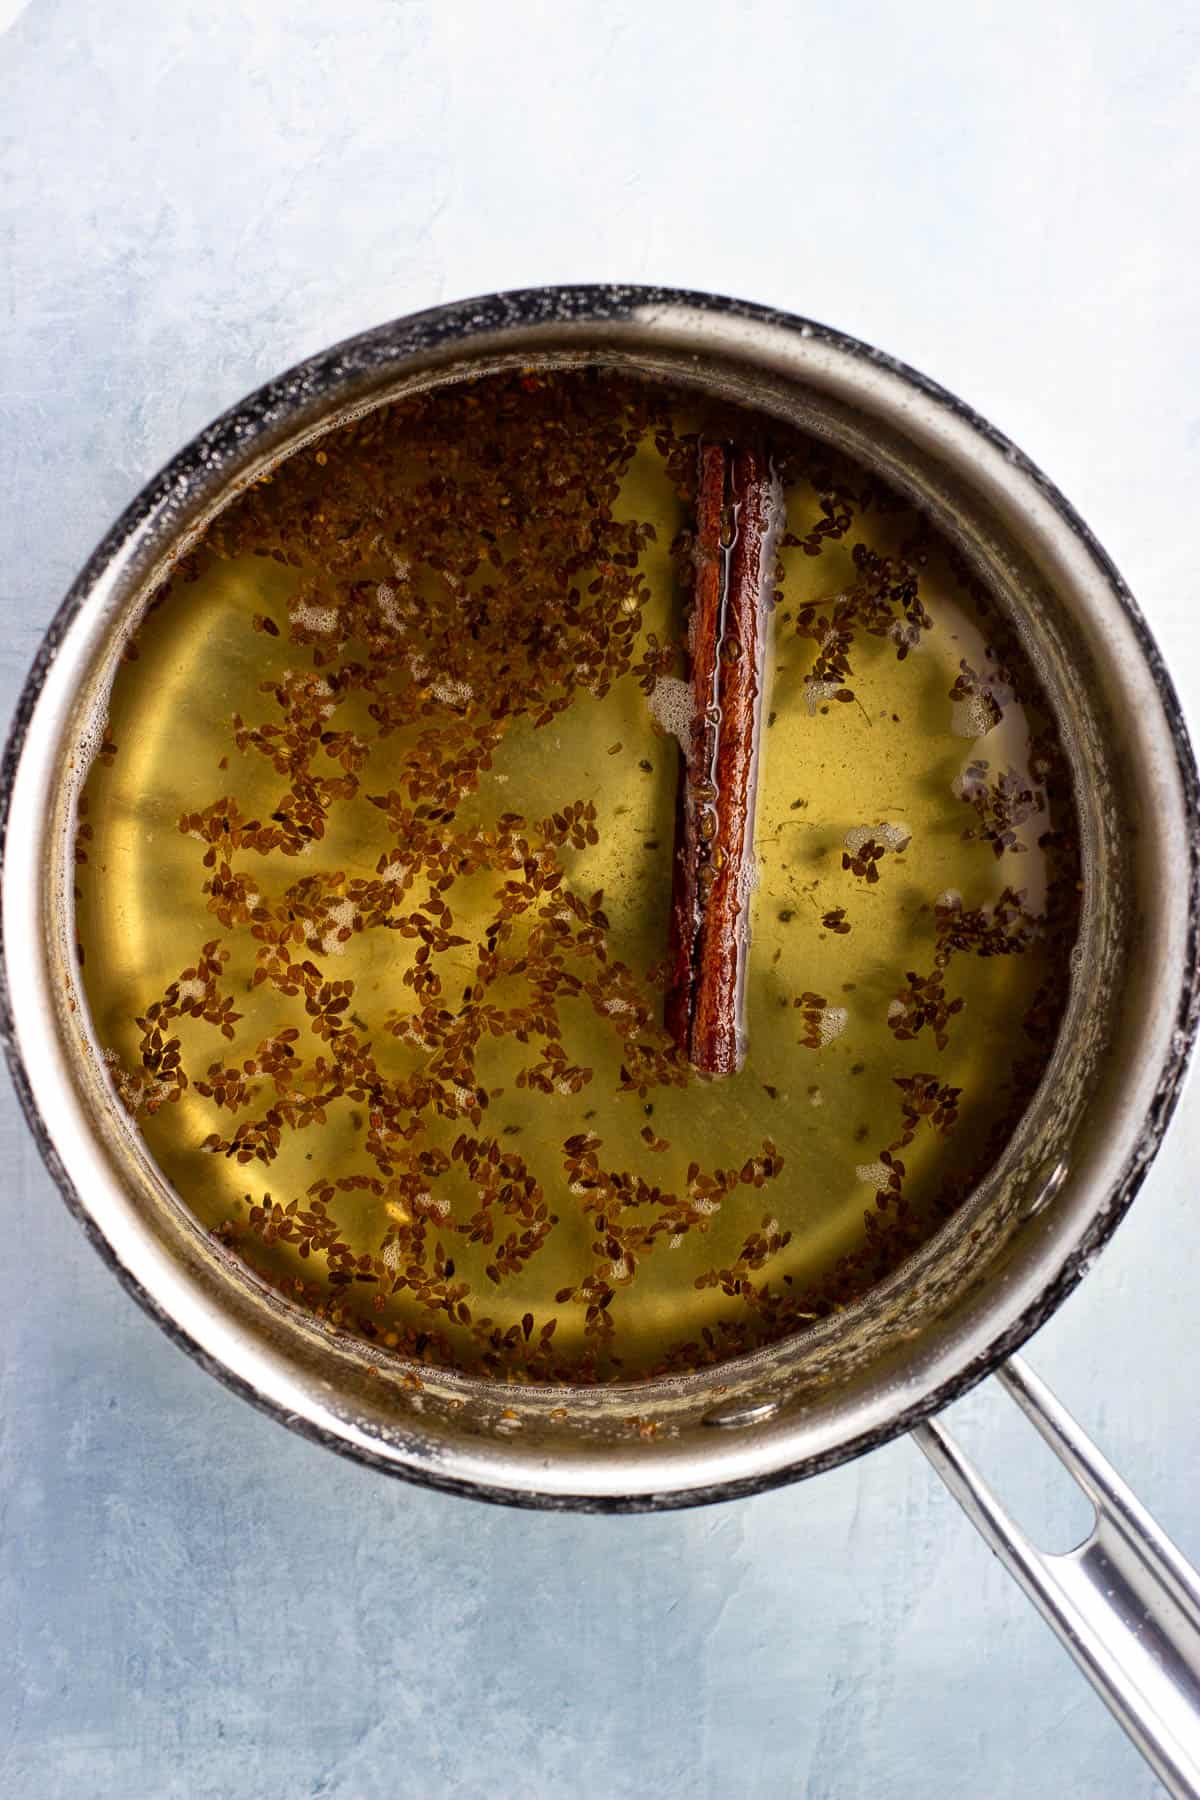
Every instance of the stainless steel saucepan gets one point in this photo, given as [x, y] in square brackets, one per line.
[1125, 1603]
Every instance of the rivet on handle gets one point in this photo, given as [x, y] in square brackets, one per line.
[1043, 1187]
[749, 1412]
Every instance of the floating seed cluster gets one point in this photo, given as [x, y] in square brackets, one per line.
[375, 872]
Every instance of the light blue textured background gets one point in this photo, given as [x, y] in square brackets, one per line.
[194, 1603]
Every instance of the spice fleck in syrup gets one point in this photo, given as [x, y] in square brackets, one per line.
[375, 887]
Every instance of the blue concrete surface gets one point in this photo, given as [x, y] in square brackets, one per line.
[195, 1604]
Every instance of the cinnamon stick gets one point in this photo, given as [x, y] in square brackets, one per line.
[738, 509]
[697, 762]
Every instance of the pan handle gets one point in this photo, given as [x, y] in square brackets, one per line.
[1125, 1603]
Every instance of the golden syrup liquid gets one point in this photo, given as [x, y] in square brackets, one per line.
[886, 766]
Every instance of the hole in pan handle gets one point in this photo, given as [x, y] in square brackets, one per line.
[1125, 1603]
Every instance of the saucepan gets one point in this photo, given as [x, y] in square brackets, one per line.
[1124, 1602]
